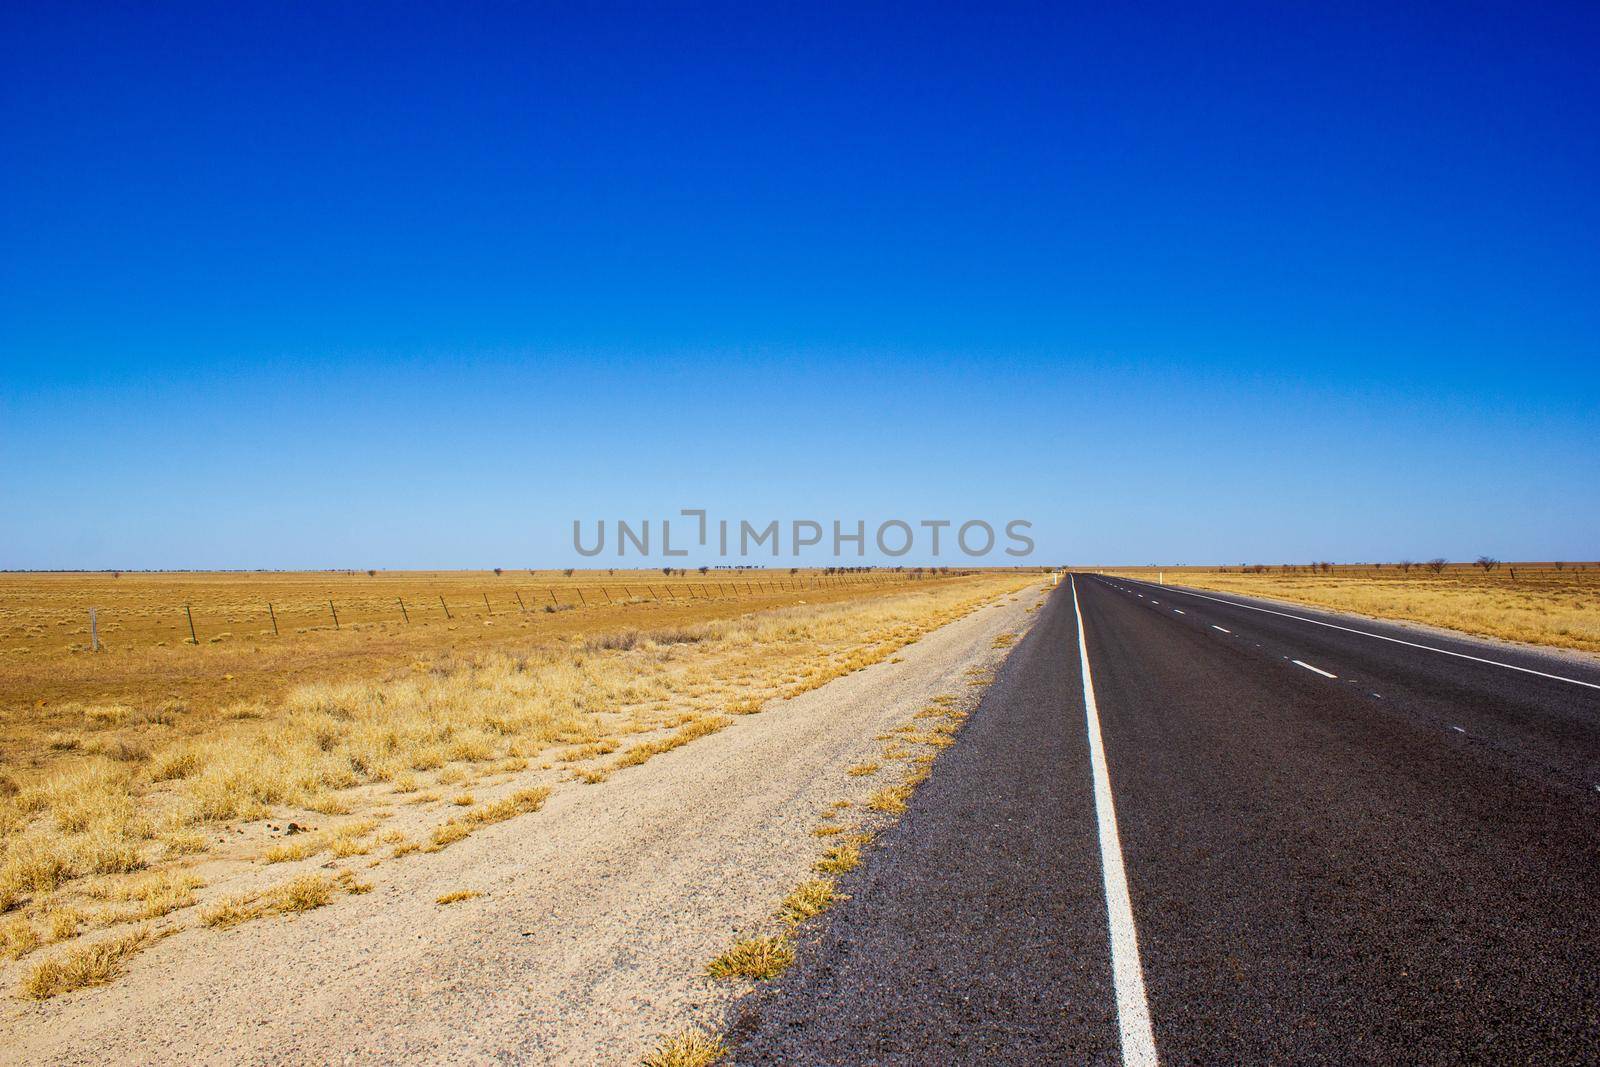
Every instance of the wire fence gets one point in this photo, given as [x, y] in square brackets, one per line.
[196, 622]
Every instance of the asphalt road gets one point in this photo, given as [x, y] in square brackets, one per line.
[1342, 842]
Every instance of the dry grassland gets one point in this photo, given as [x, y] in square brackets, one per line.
[136, 817]
[1531, 602]
[48, 675]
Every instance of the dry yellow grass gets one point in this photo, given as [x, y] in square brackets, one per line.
[95, 964]
[689, 731]
[299, 894]
[1532, 602]
[840, 859]
[46, 670]
[688, 1048]
[809, 899]
[756, 958]
[457, 896]
[134, 785]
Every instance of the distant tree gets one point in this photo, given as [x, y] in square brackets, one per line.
[794, 570]
[498, 571]
[1405, 565]
[666, 571]
[1488, 563]
[1560, 566]
[568, 572]
[703, 570]
[372, 574]
[1437, 564]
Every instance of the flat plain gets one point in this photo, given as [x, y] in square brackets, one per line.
[163, 785]
[1551, 604]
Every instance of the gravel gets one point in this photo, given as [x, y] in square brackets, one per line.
[598, 916]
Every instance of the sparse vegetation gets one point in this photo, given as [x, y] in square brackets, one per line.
[689, 1048]
[91, 965]
[756, 958]
[840, 859]
[809, 899]
[119, 793]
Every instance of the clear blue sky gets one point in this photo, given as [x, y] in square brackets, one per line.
[323, 285]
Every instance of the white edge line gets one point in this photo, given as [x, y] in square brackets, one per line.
[1395, 640]
[1133, 1010]
[1309, 667]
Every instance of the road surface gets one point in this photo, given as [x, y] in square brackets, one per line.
[1313, 838]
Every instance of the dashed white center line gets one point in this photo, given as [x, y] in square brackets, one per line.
[1393, 640]
[1176, 611]
[1458, 729]
[1318, 670]
[1214, 626]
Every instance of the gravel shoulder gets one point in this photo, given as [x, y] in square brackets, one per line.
[975, 931]
[597, 917]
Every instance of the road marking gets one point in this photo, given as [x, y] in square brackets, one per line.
[1395, 640]
[1309, 667]
[1175, 611]
[1133, 1010]
[1214, 626]
[1459, 729]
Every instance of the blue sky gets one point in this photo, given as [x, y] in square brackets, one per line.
[298, 286]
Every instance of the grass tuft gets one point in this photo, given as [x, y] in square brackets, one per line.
[91, 965]
[756, 958]
[688, 1048]
[808, 900]
[840, 859]
[457, 896]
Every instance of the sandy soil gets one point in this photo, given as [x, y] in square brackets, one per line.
[598, 916]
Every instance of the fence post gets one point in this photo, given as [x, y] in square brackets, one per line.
[581, 599]
[520, 605]
[404, 614]
[552, 593]
[487, 609]
[274, 615]
[335, 613]
[445, 606]
[94, 633]
[193, 638]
